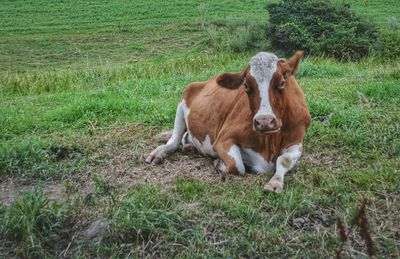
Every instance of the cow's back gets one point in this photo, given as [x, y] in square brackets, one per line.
[209, 105]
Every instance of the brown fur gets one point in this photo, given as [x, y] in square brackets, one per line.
[223, 108]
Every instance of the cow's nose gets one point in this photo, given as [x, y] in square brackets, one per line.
[265, 122]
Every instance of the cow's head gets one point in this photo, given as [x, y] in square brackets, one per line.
[264, 81]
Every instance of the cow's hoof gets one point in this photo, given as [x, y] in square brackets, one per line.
[274, 185]
[157, 155]
[219, 166]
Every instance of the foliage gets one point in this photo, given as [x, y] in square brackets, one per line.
[388, 44]
[235, 35]
[320, 27]
[31, 226]
[142, 216]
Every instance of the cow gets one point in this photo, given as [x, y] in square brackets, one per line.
[249, 121]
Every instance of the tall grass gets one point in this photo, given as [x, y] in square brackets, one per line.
[36, 82]
[32, 226]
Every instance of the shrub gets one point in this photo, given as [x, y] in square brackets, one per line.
[246, 38]
[235, 35]
[388, 44]
[292, 37]
[320, 27]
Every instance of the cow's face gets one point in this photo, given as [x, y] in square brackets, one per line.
[264, 81]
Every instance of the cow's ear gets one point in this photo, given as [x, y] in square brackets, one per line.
[290, 67]
[232, 80]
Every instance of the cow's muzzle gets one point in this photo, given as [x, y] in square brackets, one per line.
[266, 124]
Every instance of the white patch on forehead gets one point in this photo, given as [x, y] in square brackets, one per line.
[262, 68]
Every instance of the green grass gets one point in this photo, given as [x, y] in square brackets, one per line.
[50, 34]
[384, 13]
[119, 32]
[32, 224]
[82, 83]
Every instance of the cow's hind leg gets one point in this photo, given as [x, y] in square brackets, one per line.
[230, 158]
[161, 152]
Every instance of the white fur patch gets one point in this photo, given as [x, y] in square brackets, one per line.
[172, 145]
[208, 147]
[256, 162]
[288, 159]
[179, 127]
[204, 148]
[185, 110]
[235, 153]
[262, 68]
[198, 145]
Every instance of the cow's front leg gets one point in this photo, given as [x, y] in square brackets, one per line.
[230, 159]
[161, 152]
[286, 161]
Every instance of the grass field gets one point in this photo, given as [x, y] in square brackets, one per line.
[84, 88]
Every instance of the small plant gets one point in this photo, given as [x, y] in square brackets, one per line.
[246, 38]
[102, 186]
[320, 27]
[142, 216]
[360, 220]
[31, 225]
[189, 189]
[213, 38]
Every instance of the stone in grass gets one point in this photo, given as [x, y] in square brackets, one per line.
[96, 229]
[301, 222]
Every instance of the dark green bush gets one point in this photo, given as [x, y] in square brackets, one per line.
[291, 37]
[388, 44]
[320, 27]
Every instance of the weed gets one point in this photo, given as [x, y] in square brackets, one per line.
[238, 36]
[32, 225]
[190, 189]
[360, 220]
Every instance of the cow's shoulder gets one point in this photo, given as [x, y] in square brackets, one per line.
[192, 91]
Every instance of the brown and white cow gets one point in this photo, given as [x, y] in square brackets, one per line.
[254, 120]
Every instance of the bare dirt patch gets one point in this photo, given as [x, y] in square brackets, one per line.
[121, 171]
[10, 190]
[117, 157]
[121, 161]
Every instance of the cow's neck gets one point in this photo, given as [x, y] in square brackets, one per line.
[292, 123]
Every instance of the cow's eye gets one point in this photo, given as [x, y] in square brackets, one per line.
[282, 84]
[248, 89]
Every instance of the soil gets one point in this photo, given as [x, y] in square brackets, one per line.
[117, 157]
[120, 163]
